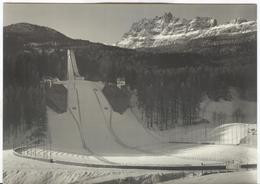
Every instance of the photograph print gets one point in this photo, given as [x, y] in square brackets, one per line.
[130, 93]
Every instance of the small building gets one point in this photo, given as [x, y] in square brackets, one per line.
[55, 79]
[79, 78]
[233, 164]
[49, 81]
[120, 82]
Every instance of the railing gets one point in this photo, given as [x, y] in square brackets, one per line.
[19, 152]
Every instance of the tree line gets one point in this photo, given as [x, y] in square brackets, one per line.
[24, 112]
[173, 96]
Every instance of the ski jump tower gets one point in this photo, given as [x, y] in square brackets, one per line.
[73, 72]
[72, 77]
[62, 94]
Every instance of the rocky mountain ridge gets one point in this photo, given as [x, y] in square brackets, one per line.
[170, 30]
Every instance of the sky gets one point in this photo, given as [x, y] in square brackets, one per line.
[106, 23]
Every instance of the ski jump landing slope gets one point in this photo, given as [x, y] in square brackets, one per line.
[91, 127]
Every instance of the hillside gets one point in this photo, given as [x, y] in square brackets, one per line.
[33, 33]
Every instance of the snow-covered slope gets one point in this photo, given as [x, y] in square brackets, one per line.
[106, 137]
[91, 127]
[242, 177]
[125, 127]
[229, 133]
[25, 171]
[96, 128]
[95, 117]
[64, 134]
[220, 153]
[110, 137]
[167, 29]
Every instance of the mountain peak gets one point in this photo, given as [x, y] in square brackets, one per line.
[24, 27]
[168, 29]
[238, 20]
[20, 27]
[167, 17]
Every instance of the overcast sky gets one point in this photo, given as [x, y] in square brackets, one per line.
[106, 23]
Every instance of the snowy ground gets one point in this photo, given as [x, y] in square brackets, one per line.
[25, 171]
[90, 132]
[245, 177]
[102, 135]
[230, 133]
[221, 153]
[94, 129]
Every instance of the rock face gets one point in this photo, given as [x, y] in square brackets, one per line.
[168, 30]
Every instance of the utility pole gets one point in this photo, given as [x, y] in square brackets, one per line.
[110, 118]
[51, 160]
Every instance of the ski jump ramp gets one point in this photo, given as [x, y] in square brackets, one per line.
[91, 127]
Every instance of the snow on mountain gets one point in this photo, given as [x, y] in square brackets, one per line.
[168, 29]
